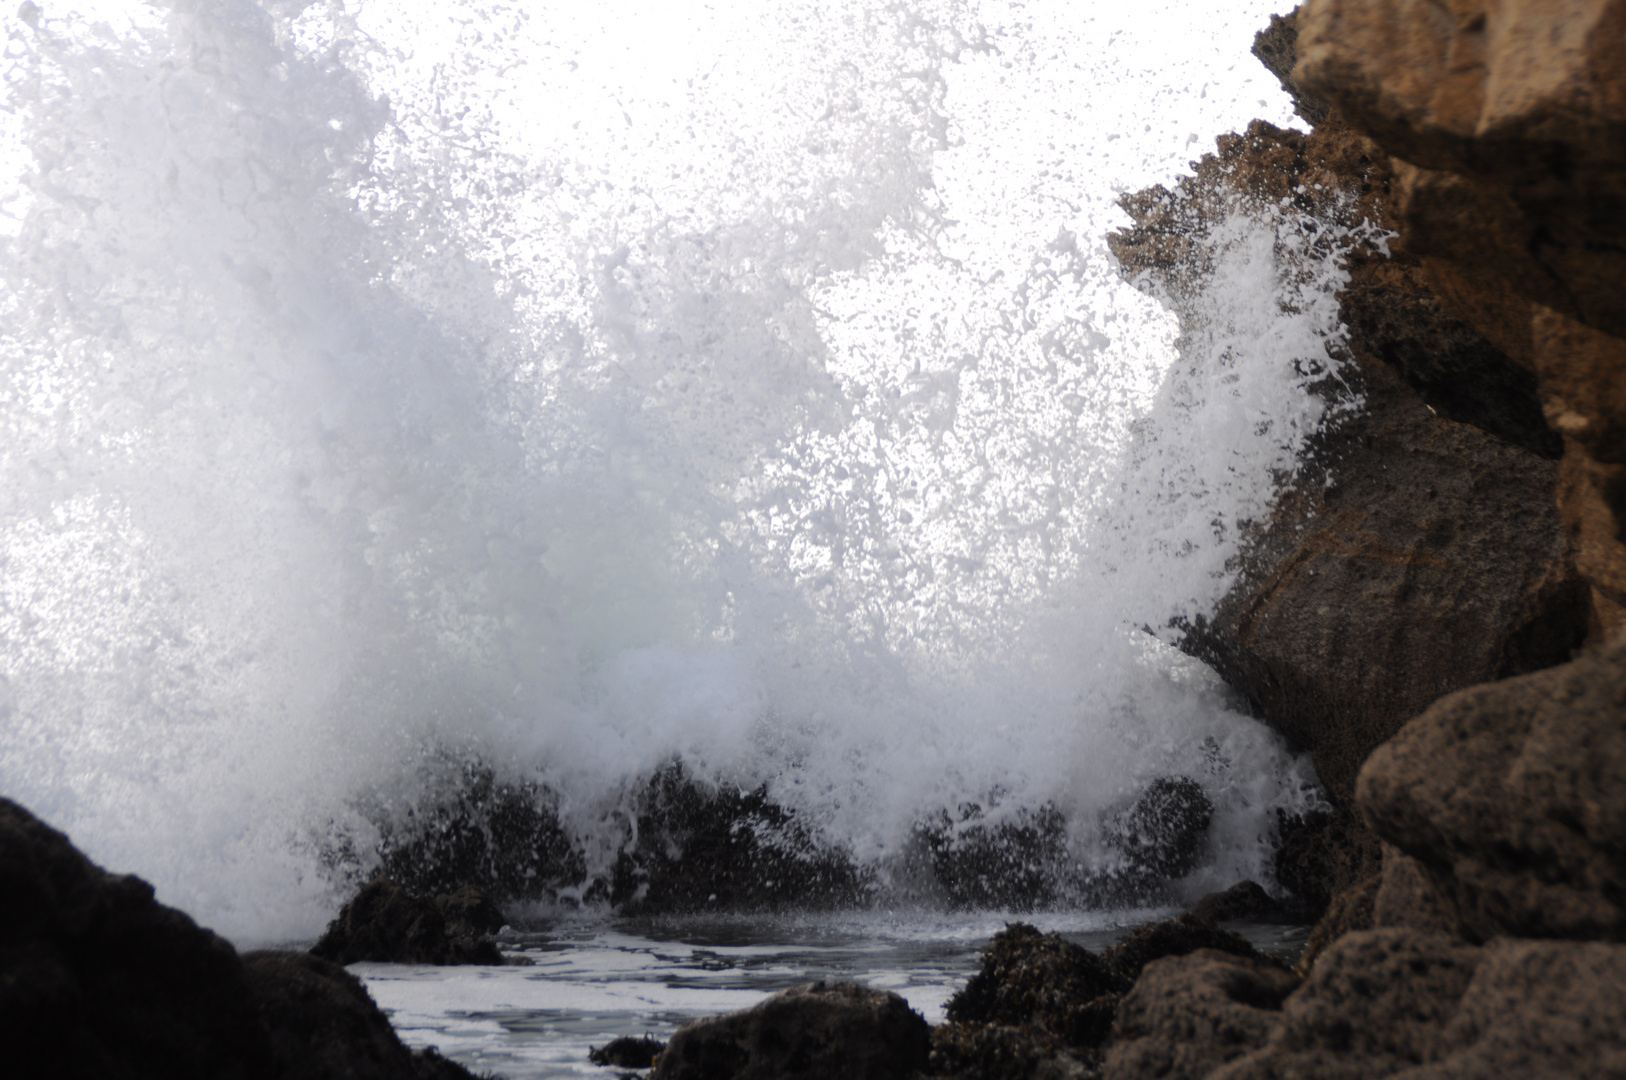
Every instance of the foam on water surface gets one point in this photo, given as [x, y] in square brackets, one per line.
[581, 388]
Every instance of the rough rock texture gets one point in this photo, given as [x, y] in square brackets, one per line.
[1505, 123]
[97, 979]
[1324, 855]
[1190, 1014]
[627, 1052]
[1385, 1002]
[325, 1026]
[1511, 797]
[387, 924]
[1423, 551]
[1246, 901]
[820, 1030]
[1042, 1005]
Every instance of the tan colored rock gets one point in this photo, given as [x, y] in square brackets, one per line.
[1407, 896]
[1188, 1015]
[1512, 798]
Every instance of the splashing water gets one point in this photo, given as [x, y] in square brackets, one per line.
[750, 386]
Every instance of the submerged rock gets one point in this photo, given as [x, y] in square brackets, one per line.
[98, 979]
[385, 923]
[820, 1030]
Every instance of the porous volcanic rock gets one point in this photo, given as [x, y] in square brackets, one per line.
[1511, 797]
[820, 1030]
[385, 923]
[1188, 1015]
[1422, 550]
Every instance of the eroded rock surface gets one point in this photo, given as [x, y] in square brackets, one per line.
[385, 923]
[820, 1030]
[1511, 797]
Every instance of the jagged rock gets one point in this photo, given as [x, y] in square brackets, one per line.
[1510, 798]
[1162, 833]
[627, 1052]
[1512, 112]
[325, 1026]
[1246, 901]
[1014, 865]
[99, 980]
[820, 1030]
[1276, 47]
[1417, 554]
[385, 923]
[700, 847]
[1188, 1015]
[1510, 190]
[501, 837]
[1029, 979]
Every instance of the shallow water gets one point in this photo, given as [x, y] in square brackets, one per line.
[593, 981]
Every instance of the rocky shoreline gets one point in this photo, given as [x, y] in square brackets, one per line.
[1436, 612]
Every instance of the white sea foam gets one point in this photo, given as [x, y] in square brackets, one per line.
[747, 383]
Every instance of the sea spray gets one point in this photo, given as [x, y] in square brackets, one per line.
[358, 423]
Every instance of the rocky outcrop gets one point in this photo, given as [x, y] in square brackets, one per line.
[1510, 801]
[1421, 551]
[1041, 1005]
[1386, 1002]
[819, 1030]
[1504, 122]
[98, 979]
[384, 923]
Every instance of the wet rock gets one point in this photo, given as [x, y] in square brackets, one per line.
[1029, 979]
[99, 979]
[627, 1052]
[1188, 1015]
[1004, 1052]
[1174, 937]
[1509, 796]
[384, 923]
[1421, 551]
[324, 1025]
[1161, 835]
[1019, 864]
[820, 1030]
[472, 829]
[1246, 901]
[1324, 854]
[699, 847]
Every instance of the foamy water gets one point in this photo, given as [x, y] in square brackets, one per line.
[583, 388]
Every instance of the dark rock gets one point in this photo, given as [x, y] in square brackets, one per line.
[819, 1030]
[98, 979]
[1417, 554]
[470, 913]
[1276, 48]
[1324, 854]
[1174, 937]
[1044, 981]
[701, 848]
[1188, 1015]
[471, 829]
[627, 1052]
[1162, 834]
[325, 1026]
[1004, 1052]
[1351, 910]
[1017, 864]
[1407, 897]
[1246, 901]
[384, 923]
[1510, 798]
